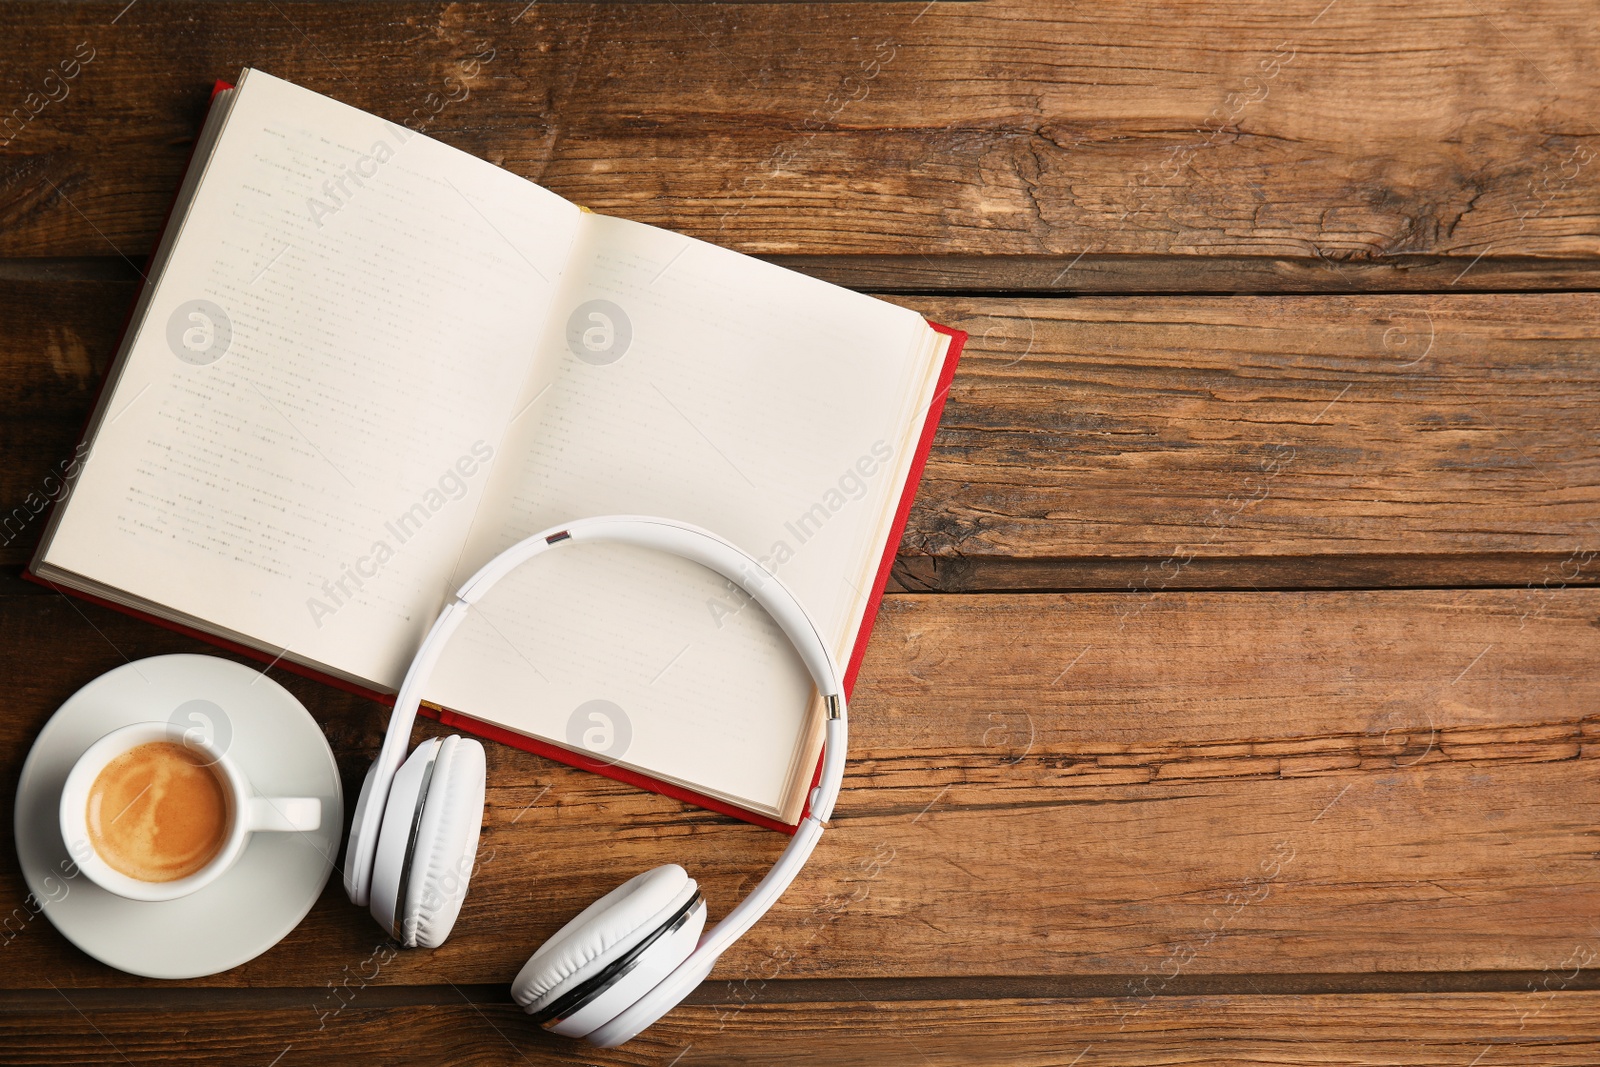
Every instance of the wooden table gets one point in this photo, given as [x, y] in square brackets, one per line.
[1236, 700]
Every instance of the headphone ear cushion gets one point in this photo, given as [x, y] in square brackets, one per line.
[447, 844]
[601, 933]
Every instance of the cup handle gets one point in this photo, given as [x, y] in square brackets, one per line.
[284, 813]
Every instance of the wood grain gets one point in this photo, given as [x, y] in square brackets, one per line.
[1045, 785]
[1550, 1029]
[1114, 443]
[1302, 135]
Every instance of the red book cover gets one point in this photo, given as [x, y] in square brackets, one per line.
[555, 752]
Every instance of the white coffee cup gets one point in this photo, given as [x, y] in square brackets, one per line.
[247, 812]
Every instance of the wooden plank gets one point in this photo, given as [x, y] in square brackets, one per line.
[1092, 784]
[1112, 443]
[1303, 135]
[1425, 1030]
[1303, 432]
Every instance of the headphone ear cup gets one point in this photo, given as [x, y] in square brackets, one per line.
[644, 1011]
[446, 844]
[429, 831]
[613, 952]
[392, 854]
[359, 890]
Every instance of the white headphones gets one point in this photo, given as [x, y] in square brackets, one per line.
[631, 956]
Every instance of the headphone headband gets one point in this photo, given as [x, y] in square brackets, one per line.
[688, 542]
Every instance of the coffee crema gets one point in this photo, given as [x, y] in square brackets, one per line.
[158, 812]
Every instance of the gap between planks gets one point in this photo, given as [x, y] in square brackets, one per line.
[1012, 277]
[826, 991]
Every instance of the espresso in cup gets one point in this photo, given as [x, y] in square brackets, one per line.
[158, 812]
[151, 812]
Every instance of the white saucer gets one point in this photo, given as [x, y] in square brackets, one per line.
[268, 891]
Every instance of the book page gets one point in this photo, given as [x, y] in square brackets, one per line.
[306, 417]
[680, 379]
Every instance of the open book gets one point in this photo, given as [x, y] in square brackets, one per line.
[366, 362]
